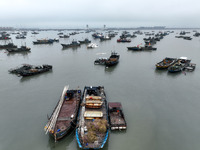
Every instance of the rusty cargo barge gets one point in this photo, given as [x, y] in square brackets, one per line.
[64, 116]
[116, 116]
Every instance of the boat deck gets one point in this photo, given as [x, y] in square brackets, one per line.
[67, 112]
[116, 116]
[116, 119]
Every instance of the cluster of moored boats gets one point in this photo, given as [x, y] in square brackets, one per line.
[89, 114]
[29, 70]
[175, 65]
[78, 44]
[149, 42]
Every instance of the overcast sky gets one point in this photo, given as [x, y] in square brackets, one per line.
[96, 13]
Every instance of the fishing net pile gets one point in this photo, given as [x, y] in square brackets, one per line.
[96, 129]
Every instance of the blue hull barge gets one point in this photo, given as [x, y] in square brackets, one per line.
[92, 127]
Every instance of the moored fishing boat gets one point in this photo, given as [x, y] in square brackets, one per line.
[165, 63]
[123, 40]
[64, 116]
[135, 48]
[86, 41]
[73, 44]
[180, 65]
[64, 36]
[21, 49]
[113, 59]
[92, 127]
[43, 41]
[9, 45]
[116, 116]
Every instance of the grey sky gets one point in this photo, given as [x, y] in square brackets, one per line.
[96, 13]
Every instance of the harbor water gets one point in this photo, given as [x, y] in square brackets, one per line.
[161, 109]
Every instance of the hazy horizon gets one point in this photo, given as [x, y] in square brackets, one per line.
[95, 13]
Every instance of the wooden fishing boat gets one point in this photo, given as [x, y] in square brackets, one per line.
[123, 40]
[180, 65]
[9, 45]
[116, 116]
[86, 41]
[21, 49]
[64, 116]
[135, 48]
[64, 36]
[165, 63]
[72, 44]
[43, 41]
[92, 127]
[113, 59]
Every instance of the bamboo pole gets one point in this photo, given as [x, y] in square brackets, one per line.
[51, 123]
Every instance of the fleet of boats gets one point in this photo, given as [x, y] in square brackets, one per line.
[87, 112]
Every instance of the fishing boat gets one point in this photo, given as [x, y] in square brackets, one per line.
[92, 45]
[165, 63]
[64, 36]
[60, 33]
[20, 36]
[86, 41]
[180, 65]
[116, 116]
[104, 38]
[113, 59]
[29, 70]
[64, 116]
[148, 47]
[123, 40]
[9, 45]
[43, 41]
[73, 44]
[4, 37]
[92, 127]
[100, 61]
[135, 48]
[34, 32]
[21, 49]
